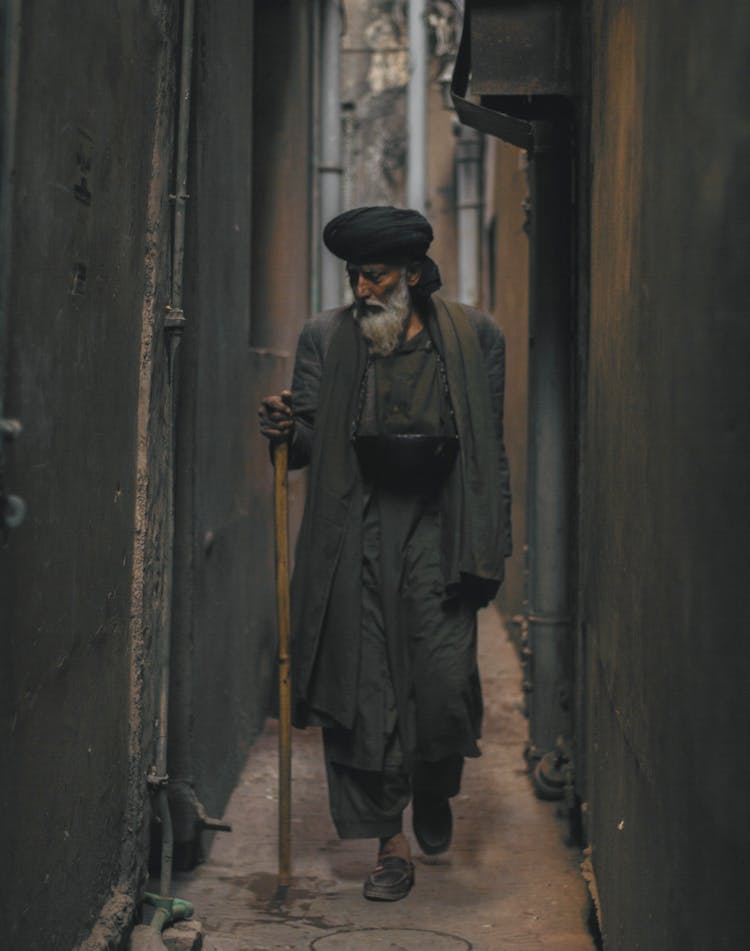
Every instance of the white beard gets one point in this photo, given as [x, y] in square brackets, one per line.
[383, 324]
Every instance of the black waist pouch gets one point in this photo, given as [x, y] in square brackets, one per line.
[405, 463]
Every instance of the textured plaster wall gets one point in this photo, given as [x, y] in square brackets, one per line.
[665, 467]
[77, 629]
[247, 292]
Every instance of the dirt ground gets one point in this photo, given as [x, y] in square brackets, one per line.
[509, 882]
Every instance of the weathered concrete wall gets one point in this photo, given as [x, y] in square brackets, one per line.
[664, 596]
[79, 594]
[246, 296]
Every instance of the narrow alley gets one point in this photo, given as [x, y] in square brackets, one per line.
[509, 882]
[517, 230]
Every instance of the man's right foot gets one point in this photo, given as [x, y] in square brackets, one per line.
[393, 876]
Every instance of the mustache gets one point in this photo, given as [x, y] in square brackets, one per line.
[371, 306]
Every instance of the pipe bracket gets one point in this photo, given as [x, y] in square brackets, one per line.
[549, 620]
[155, 781]
[175, 320]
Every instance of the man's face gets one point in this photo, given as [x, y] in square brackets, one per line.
[373, 285]
[382, 304]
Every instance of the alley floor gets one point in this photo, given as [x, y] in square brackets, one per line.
[509, 882]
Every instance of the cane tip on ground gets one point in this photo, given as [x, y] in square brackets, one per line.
[280, 895]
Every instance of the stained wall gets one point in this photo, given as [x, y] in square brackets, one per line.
[665, 466]
[79, 596]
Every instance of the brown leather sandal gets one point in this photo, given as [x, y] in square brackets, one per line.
[390, 880]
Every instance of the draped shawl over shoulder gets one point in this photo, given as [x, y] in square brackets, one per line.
[326, 592]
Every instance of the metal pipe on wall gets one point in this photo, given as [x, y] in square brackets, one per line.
[469, 211]
[416, 107]
[174, 325]
[329, 165]
[313, 205]
[181, 165]
[550, 449]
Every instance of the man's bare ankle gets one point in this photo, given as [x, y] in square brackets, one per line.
[396, 844]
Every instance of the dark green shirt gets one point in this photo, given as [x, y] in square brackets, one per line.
[408, 392]
[408, 388]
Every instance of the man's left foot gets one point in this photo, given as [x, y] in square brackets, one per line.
[433, 823]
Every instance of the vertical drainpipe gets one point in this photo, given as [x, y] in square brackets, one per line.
[174, 324]
[469, 209]
[329, 165]
[550, 463]
[416, 108]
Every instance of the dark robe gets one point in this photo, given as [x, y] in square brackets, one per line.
[326, 588]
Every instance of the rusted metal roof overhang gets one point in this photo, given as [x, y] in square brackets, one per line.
[520, 58]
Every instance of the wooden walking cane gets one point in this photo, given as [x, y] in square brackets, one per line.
[281, 513]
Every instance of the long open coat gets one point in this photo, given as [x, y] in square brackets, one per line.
[326, 592]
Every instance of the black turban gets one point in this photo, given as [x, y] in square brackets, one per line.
[381, 234]
[378, 234]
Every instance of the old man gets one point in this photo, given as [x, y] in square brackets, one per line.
[397, 406]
